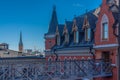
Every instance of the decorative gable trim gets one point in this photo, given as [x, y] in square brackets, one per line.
[74, 27]
[57, 31]
[65, 30]
[86, 23]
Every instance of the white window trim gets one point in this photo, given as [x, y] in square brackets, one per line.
[77, 36]
[50, 58]
[83, 58]
[74, 58]
[86, 34]
[104, 20]
[89, 58]
[66, 40]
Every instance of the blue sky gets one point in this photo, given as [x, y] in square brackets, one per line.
[32, 17]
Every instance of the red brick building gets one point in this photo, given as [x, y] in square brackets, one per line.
[72, 40]
[105, 41]
[92, 30]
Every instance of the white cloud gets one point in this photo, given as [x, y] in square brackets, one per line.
[77, 5]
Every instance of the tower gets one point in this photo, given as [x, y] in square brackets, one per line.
[20, 43]
[50, 35]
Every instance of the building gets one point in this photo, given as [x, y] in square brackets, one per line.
[90, 35]
[106, 44]
[6, 52]
[72, 40]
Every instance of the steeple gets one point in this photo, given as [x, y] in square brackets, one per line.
[54, 22]
[20, 43]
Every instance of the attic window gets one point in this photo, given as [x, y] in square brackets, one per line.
[87, 34]
[58, 40]
[66, 38]
[76, 36]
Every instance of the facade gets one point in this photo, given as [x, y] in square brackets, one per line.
[88, 36]
[72, 40]
[106, 44]
[6, 52]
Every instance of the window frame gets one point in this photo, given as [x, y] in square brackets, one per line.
[58, 40]
[66, 38]
[76, 36]
[87, 34]
[104, 34]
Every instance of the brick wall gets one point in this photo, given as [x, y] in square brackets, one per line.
[49, 43]
[112, 38]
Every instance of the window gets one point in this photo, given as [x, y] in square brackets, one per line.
[104, 27]
[106, 56]
[76, 36]
[58, 40]
[87, 34]
[105, 31]
[66, 38]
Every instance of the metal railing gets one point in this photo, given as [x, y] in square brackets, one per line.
[54, 70]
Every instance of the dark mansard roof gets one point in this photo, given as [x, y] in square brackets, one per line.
[79, 22]
[69, 25]
[60, 29]
[53, 23]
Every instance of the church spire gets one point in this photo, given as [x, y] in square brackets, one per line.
[54, 22]
[20, 43]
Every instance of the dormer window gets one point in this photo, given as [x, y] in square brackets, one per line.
[105, 31]
[58, 40]
[87, 29]
[66, 38]
[76, 36]
[87, 34]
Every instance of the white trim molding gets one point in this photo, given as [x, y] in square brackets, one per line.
[106, 46]
[104, 20]
[50, 36]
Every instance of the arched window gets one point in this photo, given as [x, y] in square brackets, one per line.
[89, 58]
[49, 59]
[104, 27]
[87, 34]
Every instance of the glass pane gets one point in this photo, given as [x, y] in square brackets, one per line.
[89, 34]
[77, 37]
[105, 29]
[58, 40]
